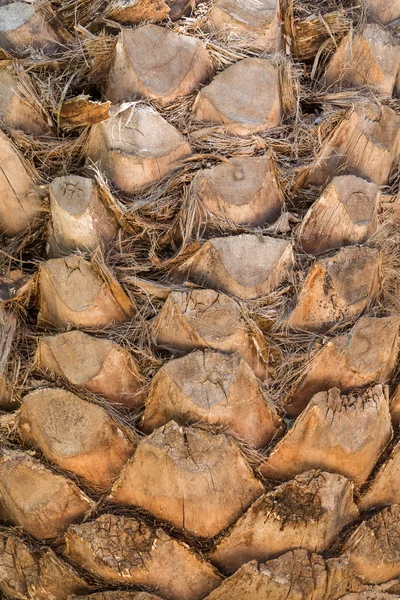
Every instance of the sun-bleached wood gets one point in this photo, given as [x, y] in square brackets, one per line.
[213, 388]
[346, 213]
[323, 436]
[123, 550]
[199, 481]
[16, 111]
[136, 147]
[365, 143]
[79, 220]
[27, 573]
[19, 199]
[255, 20]
[365, 355]
[72, 293]
[297, 574]
[157, 63]
[245, 98]
[75, 435]
[27, 26]
[97, 364]
[337, 289]
[245, 192]
[369, 58]
[34, 498]
[374, 548]
[245, 265]
[307, 512]
[205, 319]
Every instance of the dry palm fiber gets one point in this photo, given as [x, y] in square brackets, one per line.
[312, 29]
[159, 229]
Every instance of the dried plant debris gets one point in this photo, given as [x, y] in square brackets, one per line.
[199, 299]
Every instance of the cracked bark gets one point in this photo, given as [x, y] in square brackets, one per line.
[365, 355]
[207, 470]
[307, 512]
[337, 289]
[124, 550]
[205, 319]
[296, 575]
[213, 388]
[374, 549]
[336, 433]
[73, 294]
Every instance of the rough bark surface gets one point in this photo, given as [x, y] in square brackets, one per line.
[205, 319]
[383, 11]
[199, 299]
[366, 143]
[336, 433]
[81, 111]
[79, 220]
[74, 294]
[395, 406]
[8, 328]
[178, 67]
[257, 21]
[345, 214]
[16, 111]
[134, 12]
[25, 25]
[119, 595]
[136, 147]
[35, 575]
[245, 192]
[370, 58]
[383, 490]
[75, 435]
[33, 497]
[97, 364]
[296, 575]
[370, 593]
[199, 481]
[245, 266]
[212, 388]
[7, 401]
[122, 550]
[374, 548]
[307, 512]
[337, 289]
[245, 98]
[19, 200]
[365, 355]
